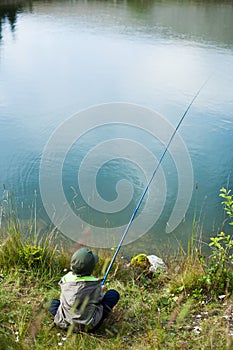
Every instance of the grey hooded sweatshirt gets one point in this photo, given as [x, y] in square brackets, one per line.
[80, 302]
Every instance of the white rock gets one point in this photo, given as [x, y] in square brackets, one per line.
[156, 263]
[222, 296]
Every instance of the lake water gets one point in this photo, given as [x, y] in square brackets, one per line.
[60, 58]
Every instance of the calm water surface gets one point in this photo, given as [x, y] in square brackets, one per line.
[60, 57]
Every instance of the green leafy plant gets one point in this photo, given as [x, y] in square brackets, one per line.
[218, 276]
[31, 255]
[228, 203]
[223, 244]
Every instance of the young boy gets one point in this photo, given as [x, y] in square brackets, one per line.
[82, 304]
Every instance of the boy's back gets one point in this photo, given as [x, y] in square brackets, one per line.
[80, 301]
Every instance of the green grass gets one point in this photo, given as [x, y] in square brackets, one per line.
[170, 310]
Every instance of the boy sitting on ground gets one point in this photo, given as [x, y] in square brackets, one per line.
[82, 304]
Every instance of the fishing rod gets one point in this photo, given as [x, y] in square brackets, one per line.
[149, 182]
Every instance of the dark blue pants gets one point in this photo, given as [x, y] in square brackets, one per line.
[53, 306]
[110, 299]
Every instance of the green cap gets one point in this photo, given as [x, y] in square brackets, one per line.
[83, 261]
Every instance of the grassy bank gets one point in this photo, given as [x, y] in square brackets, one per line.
[187, 307]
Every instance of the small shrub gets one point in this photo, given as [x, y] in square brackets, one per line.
[40, 257]
[218, 278]
[218, 273]
[30, 256]
[228, 203]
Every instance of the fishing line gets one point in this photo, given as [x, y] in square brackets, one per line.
[150, 180]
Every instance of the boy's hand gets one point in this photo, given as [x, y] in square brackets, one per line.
[103, 288]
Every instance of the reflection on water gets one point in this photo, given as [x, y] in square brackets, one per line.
[193, 19]
[9, 11]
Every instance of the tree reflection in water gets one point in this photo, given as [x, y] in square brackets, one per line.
[9, 11]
